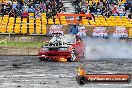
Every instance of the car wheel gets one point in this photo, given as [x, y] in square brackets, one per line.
[43, 59]
[73, 57]
[81, 80]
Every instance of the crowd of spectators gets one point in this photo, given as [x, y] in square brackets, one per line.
[15, 8]
[104, 7]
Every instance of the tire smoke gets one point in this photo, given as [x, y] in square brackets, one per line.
[97, 48]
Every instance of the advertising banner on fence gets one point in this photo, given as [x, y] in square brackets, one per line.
[104, 32]
[55, 29]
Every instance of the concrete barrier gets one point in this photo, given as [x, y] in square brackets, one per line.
[18, 51]
[22, 38]
[21, 50]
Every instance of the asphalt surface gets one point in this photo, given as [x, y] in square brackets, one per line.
[103, 56]
[30, 72]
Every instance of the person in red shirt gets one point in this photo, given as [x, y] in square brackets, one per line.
[25, 14]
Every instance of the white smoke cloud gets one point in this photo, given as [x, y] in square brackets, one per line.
[107, 48]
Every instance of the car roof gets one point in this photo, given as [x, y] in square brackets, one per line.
[69, 37]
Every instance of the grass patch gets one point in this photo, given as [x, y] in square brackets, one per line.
[22, 44]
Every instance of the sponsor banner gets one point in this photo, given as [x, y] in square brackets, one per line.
[103, 78]
[92, 31]
[55, 29]
[83, 78]
[108, 78]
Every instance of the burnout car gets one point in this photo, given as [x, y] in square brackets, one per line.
[120, 32]
[67, 46]
[100, 32]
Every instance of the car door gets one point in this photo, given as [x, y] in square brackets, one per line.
[79, 48]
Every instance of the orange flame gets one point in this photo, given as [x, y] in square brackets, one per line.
[63, 59]
[81, 70]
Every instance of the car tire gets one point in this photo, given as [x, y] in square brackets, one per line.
[81, 80]
[73, 57]
[43, 59]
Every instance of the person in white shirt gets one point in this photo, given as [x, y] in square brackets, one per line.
[82, 31]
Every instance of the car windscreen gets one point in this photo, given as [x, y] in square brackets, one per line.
[69, 39]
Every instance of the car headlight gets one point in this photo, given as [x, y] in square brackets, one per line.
[44, 49]
[63, 49]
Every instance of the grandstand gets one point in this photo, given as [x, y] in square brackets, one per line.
[36, 22]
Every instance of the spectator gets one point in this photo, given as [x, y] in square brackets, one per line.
[82, 3]
[130, 16]
[60, 7]
[26, 1]
[9, 2]
[15, 4]
[53, 3]
[31, 3]
[1, 14]
[25, 14]
[22, 6]
[127, 6]
[104, 7]
[120, 9]
[127, 13]
[12, 13]
[99, 11]
[31, 9]
[38, 14]
[25, 7]
[49, 13]
[18, 11]
[114, 10]
[41, 6]
[51, 7]
[74, 30]
[8, 7]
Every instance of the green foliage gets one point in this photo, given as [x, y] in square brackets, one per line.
[3, 42]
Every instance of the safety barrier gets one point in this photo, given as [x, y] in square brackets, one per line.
[35, 29]
[64, 16]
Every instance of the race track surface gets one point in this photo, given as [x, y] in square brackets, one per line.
[30, 72]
